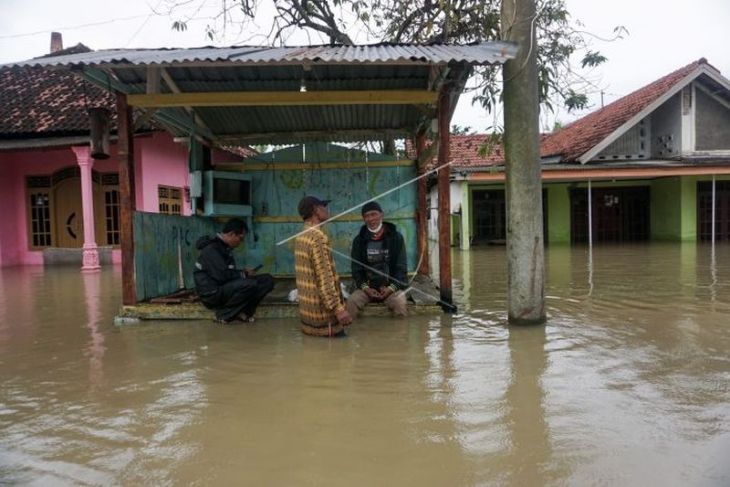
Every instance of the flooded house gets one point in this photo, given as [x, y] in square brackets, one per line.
[652, 165]
[61, 201]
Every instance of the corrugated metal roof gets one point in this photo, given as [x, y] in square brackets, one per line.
[472, 54]
[285, 69]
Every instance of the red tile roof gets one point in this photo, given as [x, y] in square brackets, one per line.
[40, 102]
[577, 138]
[468, 151]
[465, 151]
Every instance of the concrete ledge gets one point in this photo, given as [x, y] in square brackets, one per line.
[65, 256]
[274, 306]
[196, 311]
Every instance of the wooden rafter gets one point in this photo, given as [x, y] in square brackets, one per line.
[283, 98]
[289, 136]
[176, 90]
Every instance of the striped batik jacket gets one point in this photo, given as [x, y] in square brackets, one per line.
[318, 284]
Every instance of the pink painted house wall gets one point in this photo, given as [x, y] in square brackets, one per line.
[158, 161]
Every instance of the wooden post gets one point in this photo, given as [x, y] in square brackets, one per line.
[127, 205]
[444, 201]
[523, 188]
[422, 208]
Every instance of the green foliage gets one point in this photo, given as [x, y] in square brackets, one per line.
[593, 59]
[490, 144]
[459, 130]
[576, 101]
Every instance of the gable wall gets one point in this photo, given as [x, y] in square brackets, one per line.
[633, 145]
[666, 129]
[712, 121]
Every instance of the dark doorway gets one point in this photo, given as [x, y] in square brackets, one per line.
[722, 210]
[490, 226]
[490, 217]
[619, 214]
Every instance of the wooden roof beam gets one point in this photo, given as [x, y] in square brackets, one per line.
[175, 89]
[330, 135]
[283, 98]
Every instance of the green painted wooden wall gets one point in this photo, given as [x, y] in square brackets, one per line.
[158, 241]
[276, 194]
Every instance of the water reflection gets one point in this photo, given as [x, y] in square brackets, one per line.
[530, 450]
[95, 349]
[627, 384]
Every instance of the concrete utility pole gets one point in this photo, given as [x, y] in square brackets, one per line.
[525, 247]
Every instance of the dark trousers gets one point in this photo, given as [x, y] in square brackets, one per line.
[239, 296]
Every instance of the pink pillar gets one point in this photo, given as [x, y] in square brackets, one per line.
[90, 260]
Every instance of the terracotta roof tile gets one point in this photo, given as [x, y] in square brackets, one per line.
[37, 101]
[465, 151]
[41, 102]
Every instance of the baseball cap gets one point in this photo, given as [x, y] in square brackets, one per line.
[307, 204]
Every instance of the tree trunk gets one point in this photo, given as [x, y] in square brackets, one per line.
[525, 251]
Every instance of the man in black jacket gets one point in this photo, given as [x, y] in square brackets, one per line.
[378, 264]
[233, 294]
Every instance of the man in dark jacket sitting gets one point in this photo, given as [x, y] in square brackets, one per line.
[378, 264]
[233, 294]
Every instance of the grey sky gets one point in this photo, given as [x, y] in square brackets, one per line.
[663, 36]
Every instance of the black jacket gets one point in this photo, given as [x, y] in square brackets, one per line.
[215, 265]
[397, 263]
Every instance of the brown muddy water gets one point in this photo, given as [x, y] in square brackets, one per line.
[627, 384]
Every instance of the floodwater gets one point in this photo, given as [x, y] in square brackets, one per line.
[627, 384]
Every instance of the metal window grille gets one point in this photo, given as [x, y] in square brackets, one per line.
[40, 219]
[111, 214]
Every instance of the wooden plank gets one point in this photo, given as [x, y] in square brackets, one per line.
[284, 98]
[175, 89]
[353, 217]
[127, 206]
[422, 209]
[287, 137]
[444, 202]
[288, 166]
[158, 239]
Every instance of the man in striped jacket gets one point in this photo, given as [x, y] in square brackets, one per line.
[321, 306]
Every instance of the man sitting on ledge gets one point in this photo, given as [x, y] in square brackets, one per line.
[234, 294]
[379, 266]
